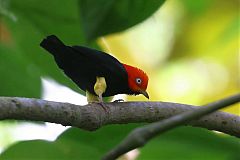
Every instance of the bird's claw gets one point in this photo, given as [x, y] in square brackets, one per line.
[105, 108]
[118, 100]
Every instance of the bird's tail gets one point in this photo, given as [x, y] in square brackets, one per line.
[53, 45]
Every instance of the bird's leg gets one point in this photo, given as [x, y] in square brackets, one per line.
[100, 87]
[100, 98]
[91, 98]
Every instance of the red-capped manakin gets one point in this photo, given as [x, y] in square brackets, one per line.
[96, 72]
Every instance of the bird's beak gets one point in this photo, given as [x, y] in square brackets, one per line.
[144, 93]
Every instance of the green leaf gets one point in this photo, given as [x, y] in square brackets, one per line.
[35, 150]
[191, 143]
[34, 20]
[103, 139]
[180, 143]
[72, 144]
[18, 78]
[108, 16]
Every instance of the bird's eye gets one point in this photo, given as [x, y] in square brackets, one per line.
[138, 80]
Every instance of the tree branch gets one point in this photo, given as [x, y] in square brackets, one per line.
[93, 116]
[140, 136]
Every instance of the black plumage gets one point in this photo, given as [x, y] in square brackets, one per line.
[84, 64]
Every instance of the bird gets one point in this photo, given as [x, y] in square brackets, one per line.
[97, 73]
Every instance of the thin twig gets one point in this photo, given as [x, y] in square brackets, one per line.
[140, 136]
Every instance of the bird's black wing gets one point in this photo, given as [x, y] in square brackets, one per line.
[104, 65]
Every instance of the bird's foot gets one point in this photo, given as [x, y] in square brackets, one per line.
[101, 103]
[104, 107]
[118, 100]
[100, 98]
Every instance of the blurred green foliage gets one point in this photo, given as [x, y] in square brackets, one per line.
[188, 48]
[16, 69]
[178, 144]
[105, 17]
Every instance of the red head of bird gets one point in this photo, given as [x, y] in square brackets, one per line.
[137, 80]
